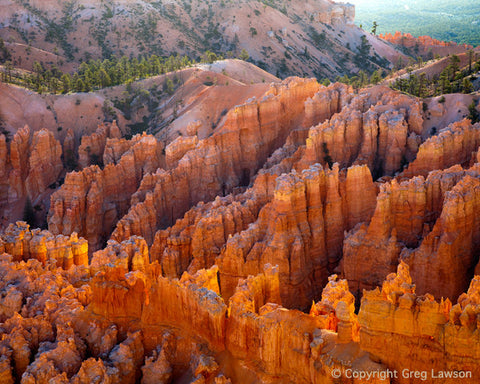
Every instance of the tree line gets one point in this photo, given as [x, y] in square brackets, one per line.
[451, 80]
[97, 74]
[359, 80]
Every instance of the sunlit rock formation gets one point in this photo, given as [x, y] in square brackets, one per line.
[315, 229]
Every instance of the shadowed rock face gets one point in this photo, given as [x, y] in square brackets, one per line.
[29, 165]
[314, 229]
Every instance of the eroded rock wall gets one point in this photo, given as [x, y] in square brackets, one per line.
[228, 159]
[441, 337]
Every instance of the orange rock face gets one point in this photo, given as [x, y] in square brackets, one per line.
[226, 160]
[383, 128]
[454, 145]
[425, 44]
[289, 343]
[30, 164]
[92, 147]
[449, 251]
[396, 319]
[33, 166]
[62, 251]
[300, 231]
[316, 229]
[91, 201]
[437, 210]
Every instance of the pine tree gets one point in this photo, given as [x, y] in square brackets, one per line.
[467, 86]
[471, 55]
[413, 84]
[445, 85]
[422, 86]
[454, 61]
[169, 86]
[244, 55]
[474, 116]
[38, 69]
[87, 86]
[66, 83]
[362, 79]
[79, 85]
[376, 76]
[104, 78]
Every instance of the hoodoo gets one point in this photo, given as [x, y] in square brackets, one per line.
[194, 219]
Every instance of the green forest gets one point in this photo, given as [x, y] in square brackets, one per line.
[446, 20]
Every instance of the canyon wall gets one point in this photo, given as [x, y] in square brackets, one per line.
[425, 44]
[242, 257]
[425, 334]
[24, 244]
[91, 201]
[300, 231]
[33, 166]
[228, 159]
[29, 165]
[428, 223]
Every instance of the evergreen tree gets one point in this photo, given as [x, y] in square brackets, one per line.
[376, 76]
[79, 85]
[209, 57]
[38, 70]
[422, 86]
[104, 78]
[413, 84]
[362, 79]
[445, 85]
[467, 86]
[4, 52]
[244, 55]
[471, 56]
[474, 116]
[454, 62]
[66, 83]
[365, 46]
[169, 86]
[8, 70]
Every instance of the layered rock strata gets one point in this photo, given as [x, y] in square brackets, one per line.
[379, 128]
[428, 223]
[300, 231]
[228, 159]
[453, 145]
[92, 200]
[92, 147]
[241, 230]
[29, 165]
[441, 337]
